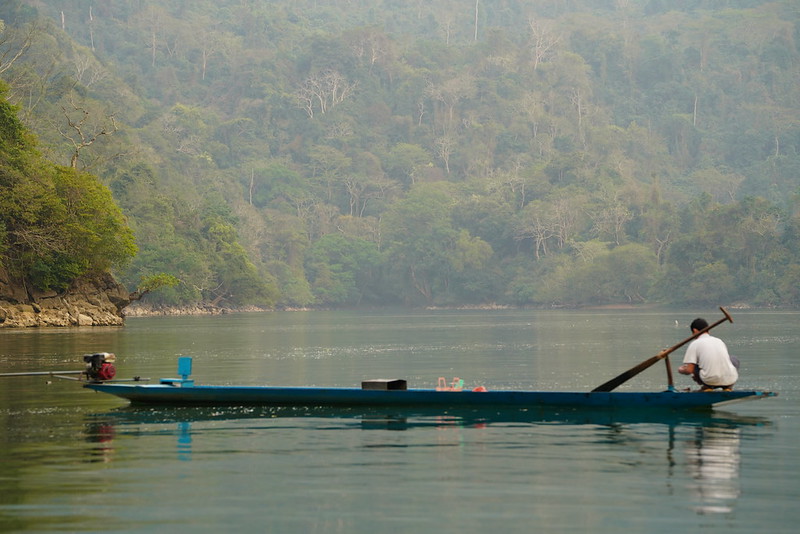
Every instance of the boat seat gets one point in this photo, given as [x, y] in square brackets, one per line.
[184, 369]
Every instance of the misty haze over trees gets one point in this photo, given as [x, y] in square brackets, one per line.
[452, 152]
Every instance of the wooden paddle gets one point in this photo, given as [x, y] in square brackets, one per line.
[630, 373]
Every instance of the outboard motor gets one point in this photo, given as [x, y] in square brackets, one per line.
[100, 366]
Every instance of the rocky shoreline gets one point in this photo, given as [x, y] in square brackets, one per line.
[90, 301]
[145, 310]
[102, 301]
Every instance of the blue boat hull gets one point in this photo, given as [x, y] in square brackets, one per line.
[177, 395]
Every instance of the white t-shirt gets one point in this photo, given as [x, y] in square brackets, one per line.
[711, 355]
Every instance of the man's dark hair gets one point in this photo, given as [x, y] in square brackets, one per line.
[698, 324]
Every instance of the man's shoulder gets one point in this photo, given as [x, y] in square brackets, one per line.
[709, 343]
[707, 338]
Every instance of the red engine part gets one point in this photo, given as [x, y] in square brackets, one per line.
[107, 371]
[100, 366]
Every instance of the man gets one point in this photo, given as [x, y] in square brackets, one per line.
[707, 361]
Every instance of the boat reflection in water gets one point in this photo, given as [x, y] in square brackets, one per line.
[713, 459]
[100, 434]
[707, 444]
[713, 454]
[406, 418]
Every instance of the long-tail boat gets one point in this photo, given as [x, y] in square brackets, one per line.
[183, 391]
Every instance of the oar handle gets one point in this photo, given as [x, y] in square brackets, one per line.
[727, 317]
[630, 373]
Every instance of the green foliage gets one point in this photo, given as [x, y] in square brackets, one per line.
[597, 274]
[95, 229]
[12, 133]
[343, 270]
[157, 281]
[236, 277]
[57, 223]
[295, 290]
[171, 256]
[274, 184]
[55, 271]
[405, 161]
[420, 237]
[305, 155]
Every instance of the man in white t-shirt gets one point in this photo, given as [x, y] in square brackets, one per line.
[708, 362]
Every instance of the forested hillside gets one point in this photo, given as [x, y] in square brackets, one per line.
[451, 152]
[56, 223]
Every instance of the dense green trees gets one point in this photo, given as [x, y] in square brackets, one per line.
[343, 271]
[330, 153]
[56, 223]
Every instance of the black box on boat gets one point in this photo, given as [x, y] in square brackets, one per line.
[384, 384]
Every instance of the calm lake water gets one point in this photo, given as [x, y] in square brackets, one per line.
[72, 460]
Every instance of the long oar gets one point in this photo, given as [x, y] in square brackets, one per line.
[630, 373]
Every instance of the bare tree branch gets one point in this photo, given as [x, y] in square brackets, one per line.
[10, 48]
[80, 138]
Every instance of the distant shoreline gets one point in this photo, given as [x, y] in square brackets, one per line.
[207, 309]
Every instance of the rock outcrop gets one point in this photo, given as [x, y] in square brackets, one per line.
[90, 301]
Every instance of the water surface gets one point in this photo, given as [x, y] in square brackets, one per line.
[74, 460]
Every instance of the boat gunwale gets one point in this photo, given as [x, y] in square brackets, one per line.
[181, 394]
